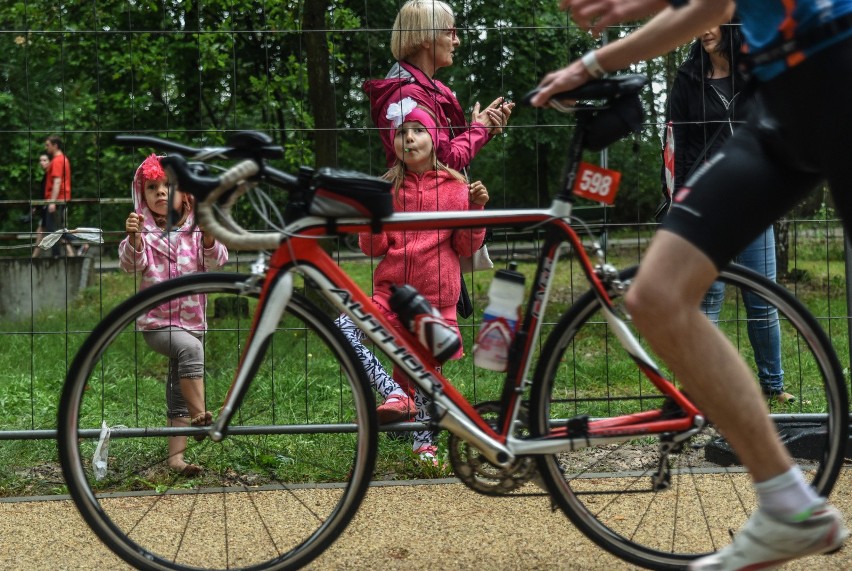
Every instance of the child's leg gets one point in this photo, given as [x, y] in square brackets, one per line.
[177, 416]
[177, 446]
[421, 403]
[184, 388]
[39, 237]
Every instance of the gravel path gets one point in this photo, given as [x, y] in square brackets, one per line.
[441, 525]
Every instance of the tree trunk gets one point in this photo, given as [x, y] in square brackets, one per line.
[320, 92]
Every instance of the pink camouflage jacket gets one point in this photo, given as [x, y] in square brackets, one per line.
[165, 256]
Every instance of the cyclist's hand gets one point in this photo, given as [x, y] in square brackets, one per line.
[595, 15]
[478, 193]
[560, 80]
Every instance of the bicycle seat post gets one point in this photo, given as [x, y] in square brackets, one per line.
[575, 155]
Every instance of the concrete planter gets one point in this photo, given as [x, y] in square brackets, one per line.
[29, 286]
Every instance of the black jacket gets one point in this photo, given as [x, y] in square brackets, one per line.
[698, 110]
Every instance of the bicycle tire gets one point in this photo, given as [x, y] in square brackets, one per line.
[607, 492]
[275, 492]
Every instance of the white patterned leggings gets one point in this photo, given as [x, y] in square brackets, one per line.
[384, 383]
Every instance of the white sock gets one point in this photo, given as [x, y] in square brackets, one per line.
[396, 392]
[787, 496]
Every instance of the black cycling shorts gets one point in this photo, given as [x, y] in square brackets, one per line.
[798, 135]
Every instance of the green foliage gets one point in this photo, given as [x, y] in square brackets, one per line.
[197, 72]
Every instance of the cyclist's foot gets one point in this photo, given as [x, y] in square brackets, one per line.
[201, 419]
[428, 453]
[765, 542]
[396, 408]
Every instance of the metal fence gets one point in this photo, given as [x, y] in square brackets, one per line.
[90, 70]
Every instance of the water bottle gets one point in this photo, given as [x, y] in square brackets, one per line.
[500, 320]
[426, 322]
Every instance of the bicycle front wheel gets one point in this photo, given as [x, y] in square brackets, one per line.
[274, 493]
[661, 510]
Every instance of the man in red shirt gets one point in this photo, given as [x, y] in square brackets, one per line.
[57, 191]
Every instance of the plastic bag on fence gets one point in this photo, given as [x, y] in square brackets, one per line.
[99, 460]
[83, 233]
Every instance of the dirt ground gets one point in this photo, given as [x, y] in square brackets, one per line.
[439, 525]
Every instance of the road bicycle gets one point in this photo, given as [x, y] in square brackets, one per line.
[588, 413]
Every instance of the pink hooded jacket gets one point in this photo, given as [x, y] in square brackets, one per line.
[165, 256]
[428, 259]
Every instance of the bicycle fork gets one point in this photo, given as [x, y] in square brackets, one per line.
[276, 294]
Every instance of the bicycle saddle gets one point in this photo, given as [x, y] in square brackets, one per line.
[606, 88]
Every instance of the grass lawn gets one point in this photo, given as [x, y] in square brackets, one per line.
[299, 383]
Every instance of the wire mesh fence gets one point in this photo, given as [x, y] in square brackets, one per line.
[200, 72]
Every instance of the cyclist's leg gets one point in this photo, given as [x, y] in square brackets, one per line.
[725, 207]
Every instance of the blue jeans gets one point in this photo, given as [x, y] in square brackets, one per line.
[764, 332]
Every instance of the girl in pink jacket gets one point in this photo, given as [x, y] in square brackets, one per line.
[174, 329]
[427, 259]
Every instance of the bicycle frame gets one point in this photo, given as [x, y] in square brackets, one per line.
[301, 251]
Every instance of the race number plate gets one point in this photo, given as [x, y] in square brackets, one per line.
[597, 183]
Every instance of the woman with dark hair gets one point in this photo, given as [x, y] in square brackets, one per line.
[705, 105]
[706, 100]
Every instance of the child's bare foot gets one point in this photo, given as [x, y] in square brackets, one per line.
[180, 467]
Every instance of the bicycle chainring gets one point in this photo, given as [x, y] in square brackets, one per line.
[480, 475]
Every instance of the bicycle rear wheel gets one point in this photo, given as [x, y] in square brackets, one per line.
[274, 493]
[608, 491]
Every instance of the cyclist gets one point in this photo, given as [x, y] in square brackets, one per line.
[706, 103]
[801, 56]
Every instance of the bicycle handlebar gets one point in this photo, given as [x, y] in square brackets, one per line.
[242, 145]
[223, 190]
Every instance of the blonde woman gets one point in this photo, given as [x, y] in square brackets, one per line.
[424, 40]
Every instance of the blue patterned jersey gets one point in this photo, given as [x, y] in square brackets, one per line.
[765, 22]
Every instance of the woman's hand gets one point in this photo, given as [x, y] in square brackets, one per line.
[499, 112]
[495, 116]
[478, 193]
[133, 227]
